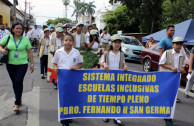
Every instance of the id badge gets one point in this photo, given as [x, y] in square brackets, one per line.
[16, 54]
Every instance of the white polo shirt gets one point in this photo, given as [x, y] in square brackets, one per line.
[175, 57]
[66, 61]
[113, 60]
[58, 42]
[35, 33]
[105, 38]
[95, 45]
[46, 49]
[3, 33]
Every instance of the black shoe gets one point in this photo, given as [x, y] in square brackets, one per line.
[117, 121]
[186, 95]
[105, 120]
[70, 120]
[178, 100]
[168, 122]
[42, 76]
[65, 122]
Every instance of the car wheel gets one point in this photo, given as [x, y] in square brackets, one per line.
[147, 65]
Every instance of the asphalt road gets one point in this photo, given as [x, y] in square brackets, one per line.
[40, 103]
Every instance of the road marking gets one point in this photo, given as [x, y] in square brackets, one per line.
[34, 107]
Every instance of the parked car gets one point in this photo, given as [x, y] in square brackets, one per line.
[131, 47]
[150, 59]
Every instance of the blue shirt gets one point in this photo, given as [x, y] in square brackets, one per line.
[165, 43]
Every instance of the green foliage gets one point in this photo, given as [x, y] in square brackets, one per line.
[120, 19]
[177, 11]
[58, 20]
[89, 59]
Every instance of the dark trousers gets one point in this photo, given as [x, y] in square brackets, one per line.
[17, 73]
[43, 64]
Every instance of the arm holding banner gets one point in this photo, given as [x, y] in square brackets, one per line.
[76, 67]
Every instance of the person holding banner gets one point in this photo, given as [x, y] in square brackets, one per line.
[190, 82]
[67, 58]
[114, 59]
[173, 60]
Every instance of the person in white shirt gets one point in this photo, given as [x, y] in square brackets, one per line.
[88, 33]
[35, 35]
[114, 60]
[105, 38]
[57, 41]
[3, 31]
[79, 37]
[43, 52]
[93, 40]
[41, 32]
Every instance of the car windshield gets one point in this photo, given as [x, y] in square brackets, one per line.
[131, 41]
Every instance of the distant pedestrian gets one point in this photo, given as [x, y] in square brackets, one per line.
[3, 33]
[173, 60]
[43, 53]
[114, 60]
[79, 37]
[19, 51]
[73, 60]
[150, 43]
[190, 82]
[35, 35]
[105, 38]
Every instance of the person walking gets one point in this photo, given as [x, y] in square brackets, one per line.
[190, 82]
[43, 52]
[114, 60]
[19, 51]
[35, 35]
[173, 60]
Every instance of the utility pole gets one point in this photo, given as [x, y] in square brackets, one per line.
[15, 2]
[25, 13]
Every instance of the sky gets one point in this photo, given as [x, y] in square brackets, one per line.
[51, 9]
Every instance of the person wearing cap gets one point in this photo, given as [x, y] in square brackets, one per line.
[74, 30]
[54, 34]
[173, 60]
[94, 42]
[79, 37]
[105, 38]
[65, 29]
[114, 60]
[57, 41]
[43, 52]
[94, 25]
[190, 82]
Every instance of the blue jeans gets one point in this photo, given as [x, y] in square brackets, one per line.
[17, 73]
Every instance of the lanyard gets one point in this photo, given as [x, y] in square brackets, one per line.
[16, 45]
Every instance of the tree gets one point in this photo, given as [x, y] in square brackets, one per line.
[66, 3]
[90, 9]
[56, 21]
[49, 21]
[121, 19]
[79, 9]
[147, 12]
[177, 11]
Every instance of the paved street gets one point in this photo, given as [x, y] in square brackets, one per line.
[40, 104]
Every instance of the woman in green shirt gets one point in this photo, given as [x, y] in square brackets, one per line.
[19, 51]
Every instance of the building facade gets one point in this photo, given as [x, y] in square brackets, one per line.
[5, 12]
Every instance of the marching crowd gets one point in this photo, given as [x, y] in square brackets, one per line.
[18, 44]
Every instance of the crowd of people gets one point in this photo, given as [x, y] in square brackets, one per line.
[65, 41]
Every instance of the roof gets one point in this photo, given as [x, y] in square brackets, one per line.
[184, 30]
[7, 2]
